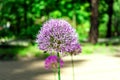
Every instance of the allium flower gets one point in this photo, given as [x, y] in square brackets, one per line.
[73, 49]
[55, 35]
[51, 62]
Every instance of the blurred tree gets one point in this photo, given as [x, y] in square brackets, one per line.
[21, 14]
[110, 13]
[93, 34]
[116, 17]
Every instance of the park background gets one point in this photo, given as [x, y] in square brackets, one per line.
[97, 23]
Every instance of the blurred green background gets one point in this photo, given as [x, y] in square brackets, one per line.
[20, 21]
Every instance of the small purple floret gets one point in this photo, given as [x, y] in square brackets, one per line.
[73, 49]
[51, 62]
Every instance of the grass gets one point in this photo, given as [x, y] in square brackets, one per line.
[13, 52]
[100, 49]
[9, 52]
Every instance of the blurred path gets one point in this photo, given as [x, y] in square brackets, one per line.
[87, 67]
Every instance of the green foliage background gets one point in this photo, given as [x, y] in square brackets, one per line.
[27, 16]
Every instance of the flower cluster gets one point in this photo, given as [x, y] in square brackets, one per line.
[51, 62]
[55, 35]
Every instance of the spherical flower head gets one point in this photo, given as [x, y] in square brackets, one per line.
[73, 49]
[51, 62]
[55, 35]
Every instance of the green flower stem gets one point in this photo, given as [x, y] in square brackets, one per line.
[58, 55]
[72, 67]
[54, 74]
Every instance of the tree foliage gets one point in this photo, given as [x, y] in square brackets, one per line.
[26, 16]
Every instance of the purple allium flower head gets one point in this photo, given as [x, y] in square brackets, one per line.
[73, 49]
[51, 62]
[55, 35]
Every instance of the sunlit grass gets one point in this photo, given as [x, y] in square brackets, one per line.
[100, 49]
[32, 51]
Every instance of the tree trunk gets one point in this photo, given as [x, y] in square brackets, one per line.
[93, 34]
[25, 14]
[109, 24]
[2, 12]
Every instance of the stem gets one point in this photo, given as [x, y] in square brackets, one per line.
[72, 67]
[54, 74]
[58, 55]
